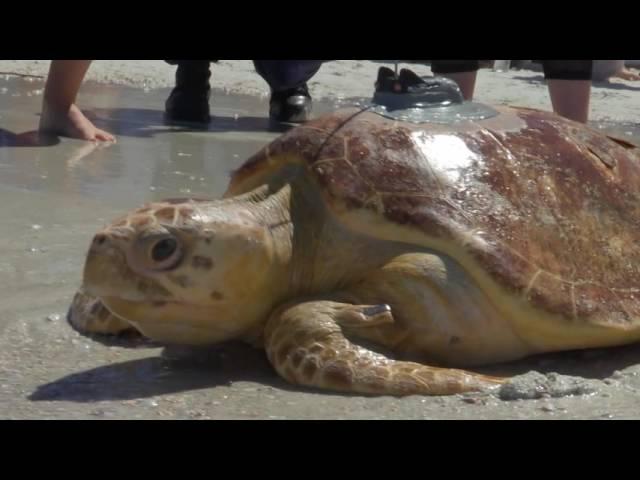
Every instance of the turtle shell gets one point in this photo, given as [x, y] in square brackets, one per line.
[547, 207]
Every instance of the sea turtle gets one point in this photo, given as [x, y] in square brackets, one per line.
[372, 255]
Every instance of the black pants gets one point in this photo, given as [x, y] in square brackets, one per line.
[279, 74]
[553, 69]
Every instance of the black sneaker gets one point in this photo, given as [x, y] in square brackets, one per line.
[290, 106]
[189, 100]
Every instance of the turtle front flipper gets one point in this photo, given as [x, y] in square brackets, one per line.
[306, 344]
[88, 315]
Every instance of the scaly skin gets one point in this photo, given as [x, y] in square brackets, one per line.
[305, 342]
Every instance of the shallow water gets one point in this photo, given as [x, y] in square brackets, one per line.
[56, 193]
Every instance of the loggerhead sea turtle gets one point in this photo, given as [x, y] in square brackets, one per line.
[371, 255]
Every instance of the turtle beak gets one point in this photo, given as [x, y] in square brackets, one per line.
[104, 264]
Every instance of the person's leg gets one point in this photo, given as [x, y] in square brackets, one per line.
[463, 72]
[287, 74]
[189, 100]
[290, 99]
[626, 74]
[59, 114]
[570, 98]
[569, 84]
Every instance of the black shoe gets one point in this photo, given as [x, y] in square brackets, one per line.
[291, 105]
[189, 100]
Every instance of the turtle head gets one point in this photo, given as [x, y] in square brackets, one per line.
[187, 273]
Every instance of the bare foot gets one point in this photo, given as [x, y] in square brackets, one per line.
[627, 74]
[72, 124]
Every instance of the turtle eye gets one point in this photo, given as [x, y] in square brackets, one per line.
[163, 249]
[165, 253]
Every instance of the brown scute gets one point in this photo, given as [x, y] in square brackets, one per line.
[165, 214]
[434, 215]
[398, 173]
[545, 200]
[337, 178]
[319, 139]
[549, 208]
[563, 194]
[394, 139]
[200, 262]
[140, 221]
[332, 124]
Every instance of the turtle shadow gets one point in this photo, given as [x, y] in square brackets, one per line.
[194, 369]
[595, 364]
[184, 369]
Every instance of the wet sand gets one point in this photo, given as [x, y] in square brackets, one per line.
[57, 195]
